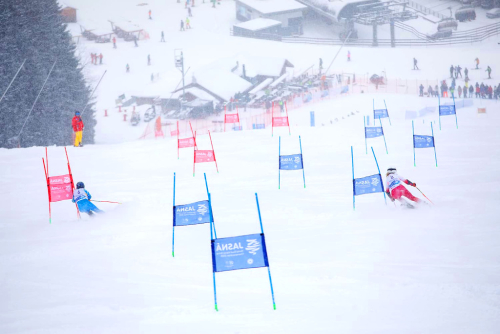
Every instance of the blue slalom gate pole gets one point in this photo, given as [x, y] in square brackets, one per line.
[373, 111]
[279, 163]
[413, 133]
[364, 123]
[302, 158]
[268, 270]
[385, 199]
[212, 243]
[439, 110]
[353, 196]
[173, 227]
[210, 203]
[434, 144]
[383, 134]
[455, 107]
[387, 110]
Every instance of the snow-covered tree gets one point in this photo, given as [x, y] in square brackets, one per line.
[33, 30]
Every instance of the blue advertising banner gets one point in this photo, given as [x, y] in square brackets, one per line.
[238, 128]
[312, 119]
[258, 126]
[380, 113]
[372, 132]
[423, 141]
[192, 214]
[447, 110]
[368, 185]
[243, 252]
[291, 162]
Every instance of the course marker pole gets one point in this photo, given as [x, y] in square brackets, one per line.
[353, 184]
[383, 134]
[279, 164]
[364, 124]
[210, 209]
[434, 144]
[212, 245]
[385, 199]
[268, 269]
[389, 117]
[413, 136]
[302, 161]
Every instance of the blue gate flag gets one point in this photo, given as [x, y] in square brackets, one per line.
[192, 214]
[447, 110]
[242, 252]
[291, 162]
[423, 141]
[257, 126]
[374, 131]
[368, 185]
[312, 119]
[380, 113]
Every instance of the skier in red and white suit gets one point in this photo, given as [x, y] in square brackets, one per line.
[395, 188]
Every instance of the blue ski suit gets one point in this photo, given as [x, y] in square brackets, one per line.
[82, 198]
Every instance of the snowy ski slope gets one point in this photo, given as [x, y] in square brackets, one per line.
[379, 269]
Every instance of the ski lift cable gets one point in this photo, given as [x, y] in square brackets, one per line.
[93, 93]
[345, 40]
[14, 78]
[33, 106]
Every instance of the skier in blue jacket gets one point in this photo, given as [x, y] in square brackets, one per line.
[82, 198]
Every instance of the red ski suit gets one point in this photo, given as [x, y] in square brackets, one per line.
[77, 123]
[395, 189]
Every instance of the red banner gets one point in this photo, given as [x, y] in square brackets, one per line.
[204, 156]
[60, 188]
[280, 121]
[186, 142]
[231, 118]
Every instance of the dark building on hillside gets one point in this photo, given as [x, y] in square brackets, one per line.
[68, 14]
[289, 12]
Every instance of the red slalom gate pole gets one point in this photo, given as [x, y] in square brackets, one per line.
[224, 118]
[72, 183]
[177, 140]
[105, 112]
[194, 160]
[48, 188]
[213, 151]
[287, 120]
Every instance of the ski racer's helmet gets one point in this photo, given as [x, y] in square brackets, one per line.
[80, 185]
[77, 113]
[391, 170]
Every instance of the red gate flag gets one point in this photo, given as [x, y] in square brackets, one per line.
[280, 121]
[187, 142]
[204, 156]
[60, 188]
[231, 118]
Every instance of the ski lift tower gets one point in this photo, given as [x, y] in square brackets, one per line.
[383, 12]
[179, 63]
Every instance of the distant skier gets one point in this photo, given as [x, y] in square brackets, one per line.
[128, 68]
[320, 65]
[149, 60]
[415, 67]
[152, 77]
[162, 37]
[114, 42]
[135, 41]
[452, 70]
[100, 59]
[78, 126]
[189, 12]
[477, 63]
[459, 91]
[348, 55]
[396, 190]
[458, 72]
[421, 90]
[182, 25]
[92, 58]
[150, 15]
[82, 198]
[471, 91]
[188, 23]
[489, 72]
[465, 89]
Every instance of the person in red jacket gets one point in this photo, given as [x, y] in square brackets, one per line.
[78, 126]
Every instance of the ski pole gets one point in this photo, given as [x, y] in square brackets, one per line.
[105, 201]
[424, 195]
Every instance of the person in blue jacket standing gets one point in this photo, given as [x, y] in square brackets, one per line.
[82, 198]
